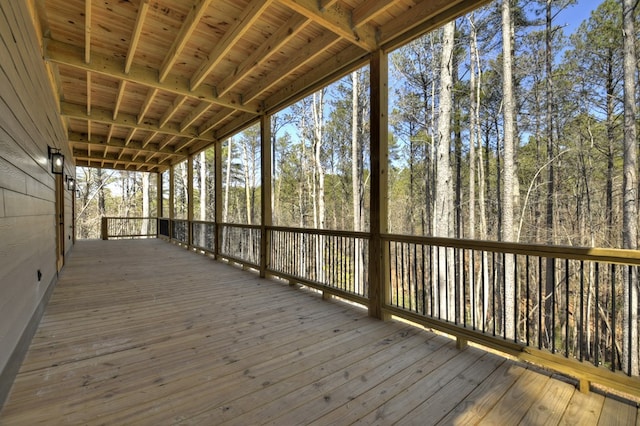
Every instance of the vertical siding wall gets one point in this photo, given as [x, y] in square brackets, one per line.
[28, 124]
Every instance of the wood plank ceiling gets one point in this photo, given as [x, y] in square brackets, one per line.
[143, 84]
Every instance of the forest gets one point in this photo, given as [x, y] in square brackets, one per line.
[511, 124]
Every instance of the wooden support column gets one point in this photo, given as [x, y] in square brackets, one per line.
[378, 249]
[171, 206]
[265, 196]
[159, 202]
[218, 197]
[190, 201]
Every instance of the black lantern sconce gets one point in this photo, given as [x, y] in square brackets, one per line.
[71, 183]
[57, 161]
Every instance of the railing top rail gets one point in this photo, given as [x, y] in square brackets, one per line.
[610, 255]
[239, 225]
[129, 217]
[354, 234]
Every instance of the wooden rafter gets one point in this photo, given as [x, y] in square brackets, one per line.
[188, 26]
[147, 139]
[369, 10]
[262, 53]
[336, 19]
[87, 31]
[126, 120]
[130, 136]
[151, 94]
[215, 120]
[422, 18]
[68, 55]
[135, 35]
[337, 65]
[121, 90]
[313, 49]
[248, 17]
[126, 159]
[195, 114]
[88, 93]
[177, 103]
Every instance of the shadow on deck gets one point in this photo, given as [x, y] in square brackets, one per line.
[143, 332]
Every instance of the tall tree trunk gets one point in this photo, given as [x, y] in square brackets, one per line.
[356, 177]
[443, 209]
[247, 182]
[509, 177]
[630, 343]
[203, 186]
[227, 183]
[549, 278]
[318, 123]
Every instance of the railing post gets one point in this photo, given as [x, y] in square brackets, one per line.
[104, 228]
[266, 217]
[378, 250]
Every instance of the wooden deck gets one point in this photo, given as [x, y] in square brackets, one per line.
[143, 332]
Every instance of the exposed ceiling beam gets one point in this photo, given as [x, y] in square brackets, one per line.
[247, 18]
[262, 53]
[422, 18]
[121, 90]
[88, 93]
[188, 26]
[116, 166]
[314, 48]
[127, 159]
[336, 19]
[135, 35]
[69, 55]
[369, 10]
[126, 120]
[147, 103]
[194, 115]
[170, 112]
[81, 139]
[337, 66]
[87, 31]
[215, 120]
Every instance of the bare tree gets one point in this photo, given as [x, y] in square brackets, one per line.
[443, 209]
[509, 176]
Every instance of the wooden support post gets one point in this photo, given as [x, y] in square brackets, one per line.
[104, 229]
[461, 343]
[159, 202]
[584, 385]
[378, 249]
[265, 196]
[190, 201]
[171, 206]
[218, 198]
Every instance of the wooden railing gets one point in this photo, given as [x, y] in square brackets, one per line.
[336, 262]
[129, 227]
[559, 307]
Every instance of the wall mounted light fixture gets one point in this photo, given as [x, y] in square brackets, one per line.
[57, 160]
[71, 183]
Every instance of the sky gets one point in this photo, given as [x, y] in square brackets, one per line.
[574, 15]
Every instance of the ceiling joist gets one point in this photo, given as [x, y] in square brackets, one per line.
[68, 55]
[188, 26]
[336, 19]
[249, 15]
[126, 120]
[135, 36]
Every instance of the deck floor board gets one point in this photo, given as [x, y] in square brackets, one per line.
[145, 332]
